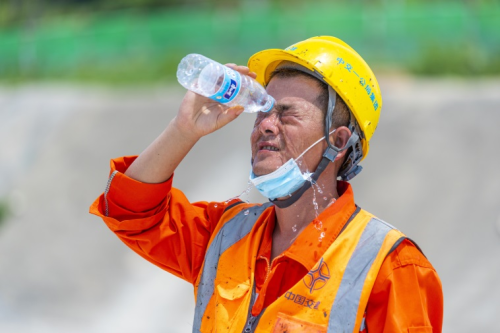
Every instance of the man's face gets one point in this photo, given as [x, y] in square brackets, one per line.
[290, 127]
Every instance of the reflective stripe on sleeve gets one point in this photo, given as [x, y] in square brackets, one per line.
[108, 186]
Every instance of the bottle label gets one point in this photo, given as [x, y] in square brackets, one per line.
[230, 87]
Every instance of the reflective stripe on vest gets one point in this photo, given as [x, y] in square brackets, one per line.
[233, 231]
[337, 305]
[346, 304]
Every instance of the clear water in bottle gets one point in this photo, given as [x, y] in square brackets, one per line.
[222, 84]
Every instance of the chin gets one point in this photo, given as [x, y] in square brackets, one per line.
[260, 170]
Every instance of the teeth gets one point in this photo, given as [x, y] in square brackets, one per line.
[270, 148]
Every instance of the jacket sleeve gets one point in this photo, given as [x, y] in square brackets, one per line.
[157, 221]
[407, 295]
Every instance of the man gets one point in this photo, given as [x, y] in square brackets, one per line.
[308, 261]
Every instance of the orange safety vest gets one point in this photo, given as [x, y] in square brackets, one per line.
[332, 297]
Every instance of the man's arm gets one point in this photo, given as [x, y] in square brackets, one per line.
[157, 221]
[140, 206]
[197, 117]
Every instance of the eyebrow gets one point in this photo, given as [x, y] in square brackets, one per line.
[280, 107]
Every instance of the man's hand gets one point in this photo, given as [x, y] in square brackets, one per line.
[197, 116]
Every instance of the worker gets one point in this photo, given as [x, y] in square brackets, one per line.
[309, 260]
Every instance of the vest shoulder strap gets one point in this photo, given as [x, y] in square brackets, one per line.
[350, 295]
[231, 232]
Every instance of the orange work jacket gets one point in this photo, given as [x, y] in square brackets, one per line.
[161, 225]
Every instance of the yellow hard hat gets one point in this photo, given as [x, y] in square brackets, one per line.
[341, 67]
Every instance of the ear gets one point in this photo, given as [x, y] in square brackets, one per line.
[340, 138]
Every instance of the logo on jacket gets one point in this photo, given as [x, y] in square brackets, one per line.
[317, 277]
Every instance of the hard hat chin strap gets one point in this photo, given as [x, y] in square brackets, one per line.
[350, 168]
[332, 99]
[331, 151]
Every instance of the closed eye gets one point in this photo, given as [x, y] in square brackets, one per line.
[285, 112]
[282, 108]
[289, 114]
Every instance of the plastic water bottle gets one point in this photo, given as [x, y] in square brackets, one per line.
[222, 84]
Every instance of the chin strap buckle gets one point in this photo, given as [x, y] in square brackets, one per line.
[331, 153]
[351, 173]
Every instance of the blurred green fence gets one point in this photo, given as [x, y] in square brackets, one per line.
[131, 46]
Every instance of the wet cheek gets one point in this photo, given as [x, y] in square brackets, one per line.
[253, 140]
[293, 147]
[253, 136]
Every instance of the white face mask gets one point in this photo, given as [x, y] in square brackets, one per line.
[285, 180]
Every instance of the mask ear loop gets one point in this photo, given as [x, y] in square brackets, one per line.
[331, 152]
[314, 144]
[312, 178]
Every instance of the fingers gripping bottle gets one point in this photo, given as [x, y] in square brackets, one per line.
[222, 84]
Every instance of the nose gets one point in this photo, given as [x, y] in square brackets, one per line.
[269, 125]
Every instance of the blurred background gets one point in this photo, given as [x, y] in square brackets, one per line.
[84, 81]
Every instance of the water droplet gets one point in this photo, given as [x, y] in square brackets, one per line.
[321, 236]
[315, 203]
[294, 228]
[215, 206]
[325, 198]
[245, 192]
[331, 202]
[246, 212]
[318, 225]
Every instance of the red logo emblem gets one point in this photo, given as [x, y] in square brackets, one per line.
[317, 277]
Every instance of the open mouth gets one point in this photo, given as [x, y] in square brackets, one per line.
[271, 148]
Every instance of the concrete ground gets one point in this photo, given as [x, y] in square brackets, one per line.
[432, 172]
